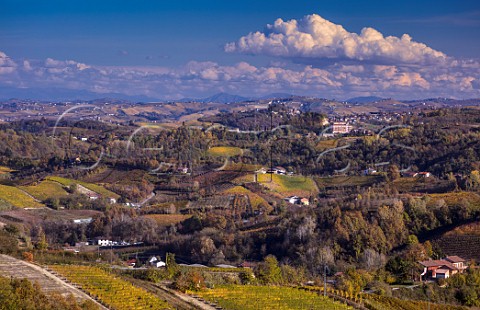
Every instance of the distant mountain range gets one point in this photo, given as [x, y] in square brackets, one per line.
[229, 98]
[367, 99]
[64, 94]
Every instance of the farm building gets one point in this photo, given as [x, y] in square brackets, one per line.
[341, 128]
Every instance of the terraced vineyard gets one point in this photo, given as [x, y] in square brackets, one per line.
[255, 200]
[463, 245]
[246, 297]
[45, 190]
[12, 267]
[115, 293]
[18, 198]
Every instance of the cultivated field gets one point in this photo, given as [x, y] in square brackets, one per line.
[288, 185]
[93, 187]
[224, 151]
[255, 200]
[167, 219]
[12, 267]
[452, 199]
[18, 198]
[348, 181]
[377, 302]
[246, 297]
[45, 189]
[110, 290]
[463, 241]
[4, 169]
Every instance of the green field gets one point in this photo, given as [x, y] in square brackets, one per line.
[288, 185]
[110, 290]
[93, 187]
[242, 167]
[45, 190]
[17, 198]
[246, 297]
[224, 151]
[284, 185]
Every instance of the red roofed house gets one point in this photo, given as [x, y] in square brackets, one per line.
[442, 268]
[458, 262]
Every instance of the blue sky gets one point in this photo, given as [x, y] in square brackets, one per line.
[171, 34]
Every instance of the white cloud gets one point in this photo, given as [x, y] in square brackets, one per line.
[314, 37]
[455, 78]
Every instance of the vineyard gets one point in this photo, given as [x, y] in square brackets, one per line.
[113, 292]
[463, 245]
[45, 190]
[255, 200]
[376, 302]
[246, 297]
[224, 151]
[12, 267]
[452, 199]
[166, 220]
[18, 198]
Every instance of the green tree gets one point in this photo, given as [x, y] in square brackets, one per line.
[268, 272]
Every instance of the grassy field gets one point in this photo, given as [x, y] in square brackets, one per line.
[17, 198]
[167, 219]
[288, 185]
[110, 290]
[4, 169]
[249, 297]
[224, 151]
[93, 187]
[326, 144]
[255, 200]
[45, 190]
[242, 167]
[284, 185]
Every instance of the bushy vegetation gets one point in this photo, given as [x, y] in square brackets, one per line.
[22, 294]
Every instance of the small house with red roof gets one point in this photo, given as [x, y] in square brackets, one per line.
[442, 268]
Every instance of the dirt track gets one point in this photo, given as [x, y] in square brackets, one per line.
[12, 267]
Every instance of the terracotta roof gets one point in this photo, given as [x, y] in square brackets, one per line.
[439, 263]
[455, 259]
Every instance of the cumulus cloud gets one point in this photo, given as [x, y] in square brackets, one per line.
[455, 78]
[314, 37]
